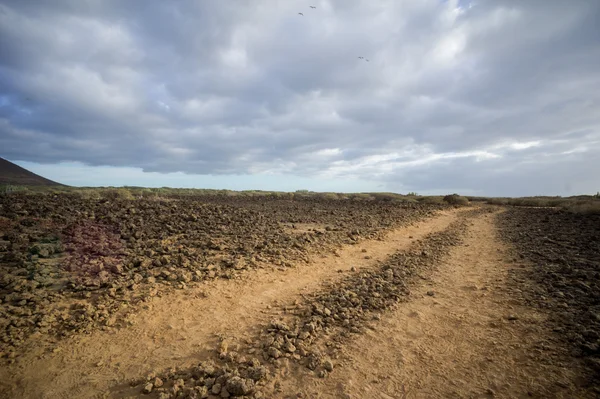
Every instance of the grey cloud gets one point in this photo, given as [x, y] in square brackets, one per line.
[517, 174]
[217, 87]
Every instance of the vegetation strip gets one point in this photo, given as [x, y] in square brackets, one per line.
[332, 314]
[564, 278]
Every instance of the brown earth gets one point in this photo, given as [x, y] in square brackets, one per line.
[565, 282]
[70, 265]
[428, 305]
[465, 334]
[220, 307]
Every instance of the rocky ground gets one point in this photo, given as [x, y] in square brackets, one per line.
[563, 249]
[70, 264]
[312, 335]
[221, 297]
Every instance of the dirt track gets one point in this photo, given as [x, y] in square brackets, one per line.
[464, 331]
[462, 342]
[176, 328]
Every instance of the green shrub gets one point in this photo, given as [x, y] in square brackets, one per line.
[117, 194]
[431, 200]
[329, 196]
[456, 199]
[497, 201]
[477, 199]
[89, 193]
[6, 189]
[409, 201]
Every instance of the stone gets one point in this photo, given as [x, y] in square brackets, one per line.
[289, 347]
[274, 353]
[257, 373]
[216, 389]
[238, 386]
[202, 392]
[148, 388]
[223, 347]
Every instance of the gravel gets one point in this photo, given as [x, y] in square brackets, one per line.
[563, 250]
[340, 309]
[70, 265]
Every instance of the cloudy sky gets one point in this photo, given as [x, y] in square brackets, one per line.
[477, 97]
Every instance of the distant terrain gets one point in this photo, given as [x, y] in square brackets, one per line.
[12, 174]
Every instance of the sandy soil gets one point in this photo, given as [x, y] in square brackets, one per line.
[465, 334]
[465, 331]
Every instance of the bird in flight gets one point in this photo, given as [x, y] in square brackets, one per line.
[300, 14]
[312, 7]
[361, 58]
[367, 60]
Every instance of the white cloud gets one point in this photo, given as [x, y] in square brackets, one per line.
[213, 88]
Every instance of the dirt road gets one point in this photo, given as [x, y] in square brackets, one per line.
[463, 333]
[470, 338]
[181, 328]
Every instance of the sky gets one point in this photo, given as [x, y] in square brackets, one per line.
[475, 97]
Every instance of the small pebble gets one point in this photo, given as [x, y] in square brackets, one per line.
[148, 388]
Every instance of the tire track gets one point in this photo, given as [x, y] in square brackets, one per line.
[466, 334]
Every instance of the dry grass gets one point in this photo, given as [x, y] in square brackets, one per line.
[168, 193]
[431, 200]
[586, 208]
[581, 204]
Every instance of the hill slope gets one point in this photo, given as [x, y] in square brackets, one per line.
[16, 175]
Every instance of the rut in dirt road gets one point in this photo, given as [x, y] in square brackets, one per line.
[466, 334]
[182, 327]
[238, 370]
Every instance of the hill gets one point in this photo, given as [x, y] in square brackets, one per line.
[15, 175]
